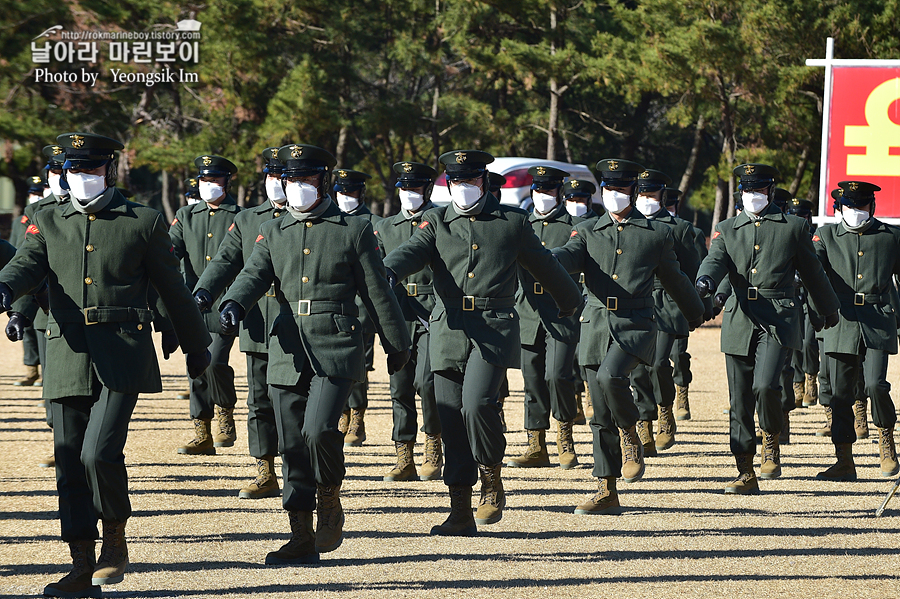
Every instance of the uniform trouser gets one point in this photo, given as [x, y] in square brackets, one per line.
[262, 434]
[88, 443]
[824, 376]
[30, 354]
[577, 372]
[41, 337]
[754, 382]
[547, 371]
[470, 418]
[359, 394]
[312, 447]
[654, 385]
[846, 370]
[788, 403]
[681, 363]
[613, 408]
[215, 387]
[415, 377]
[806, 360]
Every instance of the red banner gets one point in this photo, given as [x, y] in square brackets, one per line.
[864, 140]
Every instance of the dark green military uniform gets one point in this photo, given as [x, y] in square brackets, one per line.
[233, 253]
[681, 359]
[761, 321]
[806, 361]
[860, 261]
[31, 345]
[473, 252]
[416, 298]
[196, 233]
[100, 259]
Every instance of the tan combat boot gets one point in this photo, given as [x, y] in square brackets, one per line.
[405, 469]
[632, 455]
[434, 459]
[113, 558]
[502, 414]
[861, 418]
[535, 455]
[356, 430]
[330, 518]
[799, 394]
[811, 395]
[746, 482]
[580, 418]
[665, 438]
[604, 501]
[226, 432]
[844, 469]
[785, 438]
[888, 452]
[202, 443]
[344, 422]
[301, 549]
[825, 431]
[493, 499]
[460, 522]
[645, 434]
[565, 445]
[770, 463]
[31, 377]
[265, 484]
[682, 405]
[77, 583]
[588, 406]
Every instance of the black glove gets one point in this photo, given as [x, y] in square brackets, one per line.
[716, 311]
[719, 300]
[798, 283]
[391, 277]
[397, 360]
[693, 324]
[230, 317]
[709, 314]
[197, 363]
[204, 300]
[42, 296]
[6, 298]
[705, 286]
[15, 328]
[831, 320]
[169, 343]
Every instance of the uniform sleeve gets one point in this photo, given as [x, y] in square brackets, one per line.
[688, 257]
[571, 256]
[30, 266]
[162, 268]
[700, 243]
[717, 262]
[176, 234]
[25, 305]
[226, 264]
[813, 274]
[415, 253]
[676, 283]
[377, 296]
[255, 278]
[547, 270]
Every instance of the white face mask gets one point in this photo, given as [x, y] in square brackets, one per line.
[647, 205]
[301, 195]
[55, 182]
[411, 200]
[47, 191]
[465, 195]
[543, 202]
[615, 201]
[210, 192]
[347, 203]
[274, 191]
[754, 201]
[86, 187]
[576, 208]
[854, 217]
[671, 211]
[192, 201]
[32, 198]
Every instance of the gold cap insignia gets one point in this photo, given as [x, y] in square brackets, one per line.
[841, 191]
[853, 185]
[77, 141]
[207, 161]
[613, 165]
[575, 184]
[57, 150]
[36, 180]
[749, 169]
[796, 202]
[407, 167]
[342, 174]
[296, 151]
[192, 182]
[460, 157]
[645, 175]
[541, 171]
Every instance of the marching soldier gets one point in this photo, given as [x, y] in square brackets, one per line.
[861, 255]
[619, 254]
[230, 258]
[473, 246]
[191, 192]
[350, 195]
[806, 361]
[653, 383]
[99, 341]
[416, 297]
[196, 233]
[320, 260]
[496, 181]
[548, 340]
[759, 250]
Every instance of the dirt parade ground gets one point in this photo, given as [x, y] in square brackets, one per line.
[680, 536]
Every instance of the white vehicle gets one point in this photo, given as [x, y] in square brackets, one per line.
[517, 190]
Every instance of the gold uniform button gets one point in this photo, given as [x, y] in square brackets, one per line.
[140, 327]
[212, 212]
[615, 277]
[308, 224]
[88, 280]
[414, 223]
[92, 217]
[472, 218]
[474, 246]
[753, 270]
[306, 251]
[858, 276]
[209, 234]
[545, 224]
[208, 258]
[543, 243]
[48, 333]
[581, 319]
[277, 214]
[620, 228]
[756, 223]
[756, 247]
[352, 327]
[305, 279]
[471, 275]
[860, 253]
[89, 247]
[619, 251]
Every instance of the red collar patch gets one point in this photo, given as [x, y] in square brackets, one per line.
[173, 222]
[32, 229]
[816, 238]
[716, 234]
[424, 224]
[260, 238]
[231, 227]
[574, 233]
[24, 219]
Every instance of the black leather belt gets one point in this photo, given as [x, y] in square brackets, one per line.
[414, 289]
[308, 307]
[98, 314]
[754, 293]
[470, 303]
[622, 303]
[861, 299]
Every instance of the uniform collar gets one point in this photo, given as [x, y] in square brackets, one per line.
[772, 213]
[635, 218]
[556, 215]
[117, 204]
[332, 214]
[876, 226]
[360, 210]
[267, 206]
[228, 204]
[403, 217]
[491, 206]
[664, 216]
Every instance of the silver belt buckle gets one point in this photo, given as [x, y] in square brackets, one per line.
[612, 304]
[581, 278]
[304, 307]
[88, 321]
[753, 293]
[470, 307]
[412, 290]
[859, 299]
[538, 290]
